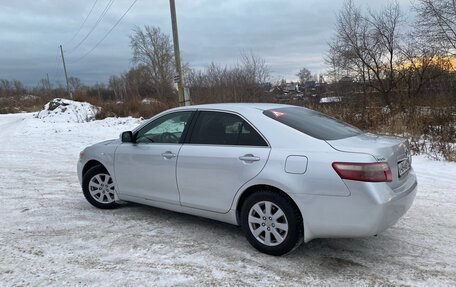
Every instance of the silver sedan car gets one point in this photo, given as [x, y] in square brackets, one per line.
[285, 174]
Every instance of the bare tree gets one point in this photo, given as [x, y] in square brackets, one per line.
[45, 84]
[338, 67]
[437, 22]
[75, 83]
[240, 83]
[18, 87]
[118, 85]
[5, 88]
[366, 46]
[304, 75]
[153, 49]
[420, 66]
[254, 67]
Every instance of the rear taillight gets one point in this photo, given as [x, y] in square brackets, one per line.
[372, 172]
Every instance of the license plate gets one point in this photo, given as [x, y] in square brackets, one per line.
[403, 167]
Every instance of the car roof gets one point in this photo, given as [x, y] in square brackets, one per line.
[236, 106]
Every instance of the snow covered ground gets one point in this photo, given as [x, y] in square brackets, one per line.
[50, 236]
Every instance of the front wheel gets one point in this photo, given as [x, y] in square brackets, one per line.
[98, 188]
[271, 222]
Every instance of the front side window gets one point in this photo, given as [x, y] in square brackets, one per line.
[166, 129]
[219, 128]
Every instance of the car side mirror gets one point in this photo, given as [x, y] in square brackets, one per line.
[127, 137]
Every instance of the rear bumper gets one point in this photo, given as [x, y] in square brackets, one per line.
[370, 209]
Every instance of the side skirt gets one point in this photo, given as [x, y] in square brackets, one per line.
[229, 217]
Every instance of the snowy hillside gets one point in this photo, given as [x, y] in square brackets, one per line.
[50, 235]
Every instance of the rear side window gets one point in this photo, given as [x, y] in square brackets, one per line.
[313, 123]
[219, 128]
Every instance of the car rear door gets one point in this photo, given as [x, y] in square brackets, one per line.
[221, 154]
[146, 169]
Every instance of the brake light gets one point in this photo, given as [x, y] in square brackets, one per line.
[371, 172]
[277, 114]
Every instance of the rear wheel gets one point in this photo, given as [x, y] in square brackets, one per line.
[271, 222]
[98, 188]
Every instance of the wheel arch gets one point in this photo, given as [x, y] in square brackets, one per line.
[91, 163]
[254, 188]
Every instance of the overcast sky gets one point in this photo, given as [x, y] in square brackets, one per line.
[288, 34]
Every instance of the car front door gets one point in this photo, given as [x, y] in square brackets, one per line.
[146, 169]
[222, 153]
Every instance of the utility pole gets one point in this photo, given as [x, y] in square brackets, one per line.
[48, 82]
[48, 85]
[179, 78]
[66, 75]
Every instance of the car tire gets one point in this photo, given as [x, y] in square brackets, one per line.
[98, 188]
[276, 231]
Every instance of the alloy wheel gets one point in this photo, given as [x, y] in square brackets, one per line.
[101, 188]
[268, 223]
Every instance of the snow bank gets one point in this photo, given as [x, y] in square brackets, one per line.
[149, 101]
[327, 100]
[68, 111]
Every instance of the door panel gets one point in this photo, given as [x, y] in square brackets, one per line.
[147, 171]
[223, 153]
[208, 176]
[147, 168]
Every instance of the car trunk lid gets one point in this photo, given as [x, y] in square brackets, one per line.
[393, 150]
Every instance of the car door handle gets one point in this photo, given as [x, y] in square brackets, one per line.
[249, 158]
[168, 155]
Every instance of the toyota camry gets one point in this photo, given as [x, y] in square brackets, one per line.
[285, 174]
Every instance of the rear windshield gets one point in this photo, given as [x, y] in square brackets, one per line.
[313, 123]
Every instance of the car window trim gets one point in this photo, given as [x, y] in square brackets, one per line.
[198, 112]
[189, 132]
[190, 123]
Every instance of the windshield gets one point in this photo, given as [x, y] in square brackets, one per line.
[313, 123]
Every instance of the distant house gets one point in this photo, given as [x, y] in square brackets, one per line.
[266, 86]
[292, 87]
[310, 85]
[346, 79]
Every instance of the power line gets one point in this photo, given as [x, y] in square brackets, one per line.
[85, 20]
[103, 13]
[107, 34]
